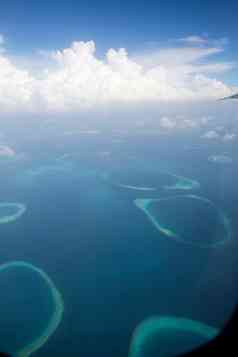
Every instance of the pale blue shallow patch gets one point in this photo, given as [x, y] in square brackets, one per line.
[169, 336]
[19, 209]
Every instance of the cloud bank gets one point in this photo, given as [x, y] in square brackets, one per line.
[78, 80]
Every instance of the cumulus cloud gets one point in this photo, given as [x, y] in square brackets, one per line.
[229, 136]
[16, 86]
[79, 80]
[6, 151]
[204, 120]
[214, 134]
[211, 134]
[167, 123]
[182, 122]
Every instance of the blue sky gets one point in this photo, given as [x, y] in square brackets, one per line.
[72, 55]
[48, 24]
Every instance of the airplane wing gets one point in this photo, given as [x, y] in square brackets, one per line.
[234, 96]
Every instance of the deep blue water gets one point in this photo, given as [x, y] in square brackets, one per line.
[111, 265]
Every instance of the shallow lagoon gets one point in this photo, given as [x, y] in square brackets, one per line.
[31, 308]
[11, 211]
[149, 180]
[166, 336]
[188, 219]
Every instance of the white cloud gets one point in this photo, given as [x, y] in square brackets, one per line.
[180, 122]
[213, 68]
[6, 151]
[214, 134]
[188, 123]
[186, 61]
[16, 86]
[79, 80]
[229, 137]
[204, 120]
[194, 39]
[204, 40]
[190, 59]
[211, 134]
[177, 56]
[167, 123]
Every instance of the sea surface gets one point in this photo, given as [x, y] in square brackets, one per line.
[112, 266]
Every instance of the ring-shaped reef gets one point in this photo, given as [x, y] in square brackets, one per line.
[12, 211]
[169, 336]
[220, 159]
[28, 298]
[149, 180]
[188, 219]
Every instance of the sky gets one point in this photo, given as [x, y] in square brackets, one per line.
[71, 55]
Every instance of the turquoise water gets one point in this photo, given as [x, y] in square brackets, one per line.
[112, 267]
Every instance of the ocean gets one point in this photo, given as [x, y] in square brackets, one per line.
[111, 265]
